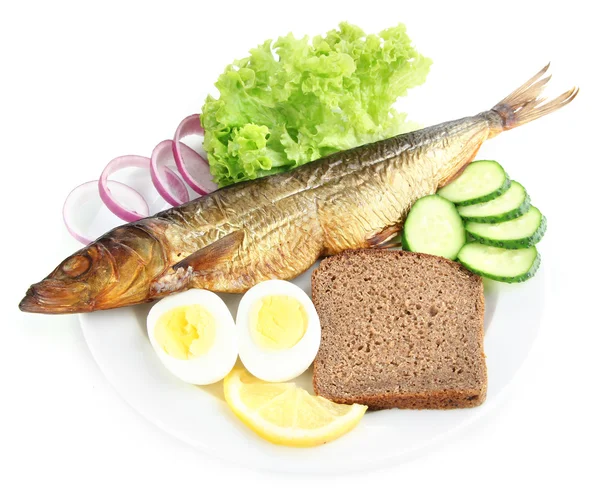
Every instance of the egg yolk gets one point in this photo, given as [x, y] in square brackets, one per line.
[278, 322]
[186, 332]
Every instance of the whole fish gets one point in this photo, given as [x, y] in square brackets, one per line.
[278, 226]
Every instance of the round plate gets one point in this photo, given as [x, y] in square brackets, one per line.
[199, 416]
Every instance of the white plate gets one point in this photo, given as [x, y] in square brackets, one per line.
[200, 417]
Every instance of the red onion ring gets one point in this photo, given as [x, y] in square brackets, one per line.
[166, 182]
[192, 166]
[83, 192]
[112, 204]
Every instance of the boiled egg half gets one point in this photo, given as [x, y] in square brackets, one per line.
[194, 335]
[279, 331]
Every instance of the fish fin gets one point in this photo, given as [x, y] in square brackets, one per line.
[391, 245]
[212, 255]
[525, 103]
[383, 236]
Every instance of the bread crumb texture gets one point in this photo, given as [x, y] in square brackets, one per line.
[399, 329]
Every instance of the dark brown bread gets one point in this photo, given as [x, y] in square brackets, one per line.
[399, 329]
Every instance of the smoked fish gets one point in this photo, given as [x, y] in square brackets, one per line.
[276, 227]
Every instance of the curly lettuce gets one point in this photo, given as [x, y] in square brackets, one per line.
[295, 100]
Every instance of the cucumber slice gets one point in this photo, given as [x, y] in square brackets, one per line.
[433, 226]
[481, 181]
[525, 231]
[513, 203]
[504, 265]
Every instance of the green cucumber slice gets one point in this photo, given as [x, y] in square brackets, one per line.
[525, 231]
[513, 203]
[504, 265]
[481, 181]
[433, 226]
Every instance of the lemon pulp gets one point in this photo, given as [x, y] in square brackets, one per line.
[285, 414]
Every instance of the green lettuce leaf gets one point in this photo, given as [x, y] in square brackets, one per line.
[293, 101]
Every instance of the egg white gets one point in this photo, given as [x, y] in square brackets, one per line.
[277, 365]
[222, 355]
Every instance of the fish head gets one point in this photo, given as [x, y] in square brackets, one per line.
[114, 271]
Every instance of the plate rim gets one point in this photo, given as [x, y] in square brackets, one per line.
[379, 462]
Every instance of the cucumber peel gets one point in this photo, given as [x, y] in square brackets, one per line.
[433, 226]
[524, 231]
[481, 181]
[503, 265]
[513, 203]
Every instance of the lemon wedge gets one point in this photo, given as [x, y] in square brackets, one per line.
[285, 414]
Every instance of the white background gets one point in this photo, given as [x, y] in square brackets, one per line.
[81, 83]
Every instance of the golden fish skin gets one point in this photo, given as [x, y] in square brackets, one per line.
[278, 226]
[340, 202]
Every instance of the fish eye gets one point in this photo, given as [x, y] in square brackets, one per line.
[76, 265]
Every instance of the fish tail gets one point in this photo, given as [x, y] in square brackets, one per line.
[526, 104]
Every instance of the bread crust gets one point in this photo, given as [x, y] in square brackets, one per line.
[436, 399]
[445, 397]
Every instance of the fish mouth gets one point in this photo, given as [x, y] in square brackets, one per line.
[49, 297]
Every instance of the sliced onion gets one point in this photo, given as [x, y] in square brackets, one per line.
[166, 182]
[81, 194]
[139, 208]
[191, 165]
[132, 206]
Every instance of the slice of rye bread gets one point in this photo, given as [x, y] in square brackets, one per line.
[399, 329]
